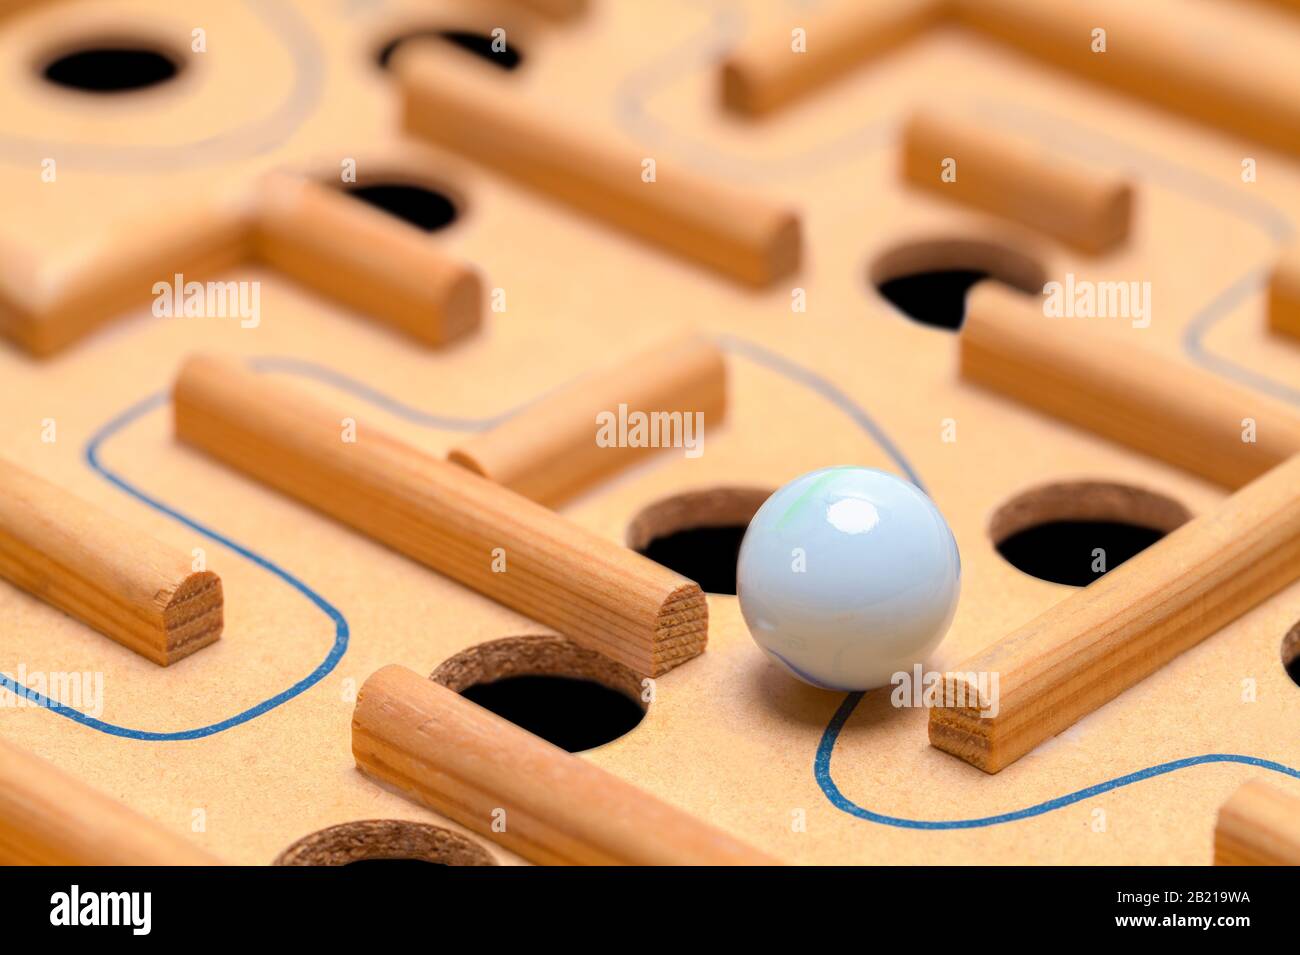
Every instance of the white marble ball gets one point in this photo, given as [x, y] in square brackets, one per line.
[848, 575]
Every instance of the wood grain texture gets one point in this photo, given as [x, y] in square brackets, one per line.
[1284, 293]
[1088, 208]
[1161, 407]
[365, 259]
[465, 108]
[1107, 637]
[103, 571]
[592, 590]
[548, 451]
[48, 817]
[763, 73]
[454, 756]
[1258, 825]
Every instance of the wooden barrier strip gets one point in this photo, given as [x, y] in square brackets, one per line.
[462, 107]
[1178, 413]
[127, 585]
[764, 72]
[1109, 636]
[1052, 193]
[1258, 825]
[1284, 294]
[48, 817]
[1239, 88]
[333, 244]
[532, 797]
[549, 452]
[487, 537]
[365, 259]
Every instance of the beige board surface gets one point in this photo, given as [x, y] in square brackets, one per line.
[729, 738]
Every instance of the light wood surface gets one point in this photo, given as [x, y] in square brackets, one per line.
[127, 585]
[1105, 638]
[548, 452]
[764, 73]
[548, 805]
[460, 524]
[465, 108]
[1053, 193]
[1111, 384]
[50, 818]
[366, 259]
[1259, 825]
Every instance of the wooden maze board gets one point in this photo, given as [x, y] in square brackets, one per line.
[254, 730]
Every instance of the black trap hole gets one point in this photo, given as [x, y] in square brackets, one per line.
[478, 44]
[421, 207]
[572, 713]
[1065, 551]
[936, 298]
[111, 69]
[706, 555]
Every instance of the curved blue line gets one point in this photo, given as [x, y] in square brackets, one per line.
[339, 647]
[810, 379]
[822, 773]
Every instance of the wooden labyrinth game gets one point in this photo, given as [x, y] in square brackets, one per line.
[396, 394]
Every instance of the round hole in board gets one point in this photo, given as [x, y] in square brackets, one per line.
[927, 280]
[1073, 532]
[385, 840]
[420, 206]
[499, 50]
[111, 67]
[572, 697]
[698, 533]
